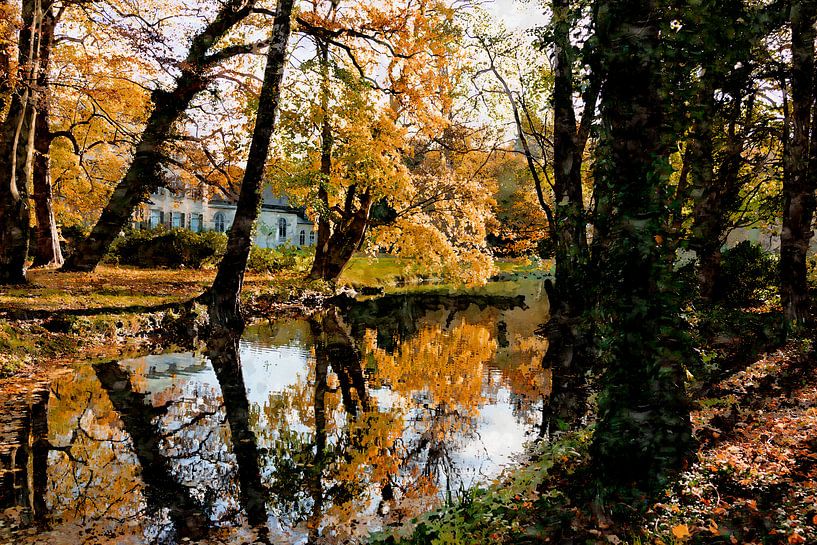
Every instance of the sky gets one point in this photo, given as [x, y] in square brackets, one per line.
[517, 14]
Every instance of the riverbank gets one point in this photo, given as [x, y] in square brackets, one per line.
[752, 479]
[60, 318]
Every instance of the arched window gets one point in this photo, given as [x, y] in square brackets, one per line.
[282, 228]
[218, 222]
[302, 238]
[312, 238]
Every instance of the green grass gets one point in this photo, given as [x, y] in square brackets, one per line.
[398, 274]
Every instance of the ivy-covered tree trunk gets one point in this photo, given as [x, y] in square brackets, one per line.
[225, 305]
[47, 248]
[144, 173]
[17, 151]
[800, 180]
[643, 433]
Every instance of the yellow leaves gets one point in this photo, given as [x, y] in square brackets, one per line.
[681, 532]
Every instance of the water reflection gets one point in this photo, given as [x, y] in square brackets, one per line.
[299, 431]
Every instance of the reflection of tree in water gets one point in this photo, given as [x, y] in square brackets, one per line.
[24, 453]
[223, 353]
[359, 456]
[440, 374]
[328, 477]
[163, 492]
[398, 317]
[165, 475]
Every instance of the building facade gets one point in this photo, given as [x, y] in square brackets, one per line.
[190, 208]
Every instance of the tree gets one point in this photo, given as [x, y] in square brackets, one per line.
[196, 73]
[226, 290]
[47, 248]
[643, 433]
[350, 155]
[17, 147]
[800, 162]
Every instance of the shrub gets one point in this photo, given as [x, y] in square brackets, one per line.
[278, 259]
[749, 275]
[174, 248]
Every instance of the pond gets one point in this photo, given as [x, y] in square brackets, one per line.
[315, 430]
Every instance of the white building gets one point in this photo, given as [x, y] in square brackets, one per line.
[190, 208]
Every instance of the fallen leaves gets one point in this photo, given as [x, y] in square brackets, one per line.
[681, 532]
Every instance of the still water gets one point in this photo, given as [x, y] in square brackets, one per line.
[315, 430]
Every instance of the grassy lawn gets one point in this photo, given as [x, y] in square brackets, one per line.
[392, 272]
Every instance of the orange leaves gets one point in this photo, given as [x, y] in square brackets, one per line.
[681, 532]
[795, 539]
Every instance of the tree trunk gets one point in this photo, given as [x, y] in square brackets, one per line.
[144, 173]
[327, 141]
[225, 304]
[16, 152]
[47, 249]
[566, 355]
[347, 236]
[643, 433]
[800, 182]
[569, 142]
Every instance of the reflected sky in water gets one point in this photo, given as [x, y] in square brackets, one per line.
[354, 419]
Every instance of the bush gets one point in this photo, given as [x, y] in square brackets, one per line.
[749, 275]
[174, 248]
[278, 259]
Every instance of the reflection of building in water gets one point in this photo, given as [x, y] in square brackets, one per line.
[24, 452]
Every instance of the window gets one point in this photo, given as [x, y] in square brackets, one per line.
[218, 222]
[195, 223]
[282, 229]
[302, 238]
[155, 219]
[312, 238]
[177, 219]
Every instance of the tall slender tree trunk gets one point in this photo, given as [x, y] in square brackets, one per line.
[324, 222]
[17, 151]
[566, 354]
[47, 248]
[643, 433]
[800, 181]
[144, 173]
[226, 290]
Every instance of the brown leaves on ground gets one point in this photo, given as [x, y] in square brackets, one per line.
[755, 480]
